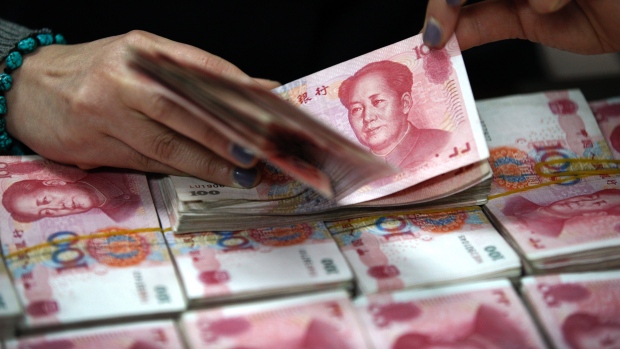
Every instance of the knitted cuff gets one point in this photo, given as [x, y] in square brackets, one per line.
[11, 34]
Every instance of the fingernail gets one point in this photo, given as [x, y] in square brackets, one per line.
[245, 177]
[453, 2]
[557, 5]
[432, 33]
[242, 155]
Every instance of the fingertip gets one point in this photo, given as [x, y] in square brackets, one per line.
[432, 33]
[243, 156]
[455, 3]
[245, 177]
[546, 6]
[269, 84]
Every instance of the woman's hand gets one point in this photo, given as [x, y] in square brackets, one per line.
[579, 26]
[81, 105]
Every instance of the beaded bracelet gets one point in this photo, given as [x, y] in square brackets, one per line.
[13, 61]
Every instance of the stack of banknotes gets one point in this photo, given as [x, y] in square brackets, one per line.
[319, 320]
[576, 310]
[151, 334]
[487, 314]
[432, 140]
[83, 247]
[555, 193]
[414, 250]
[225, 266]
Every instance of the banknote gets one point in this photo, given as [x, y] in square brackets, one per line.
[434, 130]
[313, 321]
[607, 113]
[158, 334]
[252, 263]
[10, 308]
[409, 250]
[577, 310]
[75, 240]
[563, 226]
[486, 314]
[544, 126]
[270, 128]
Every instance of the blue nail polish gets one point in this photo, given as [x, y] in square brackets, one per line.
[453, 2]
[245, 177]
[432, 33]
[242, 155]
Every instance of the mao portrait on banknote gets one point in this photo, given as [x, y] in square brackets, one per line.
[478, 315]
[408, 105]
[607, 113]
[112, 193]
[562, 219]
[550, 219]
[378, 101]
[577, 310]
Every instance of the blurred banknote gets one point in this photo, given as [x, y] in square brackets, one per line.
[577, 310]
[10, 309]
[607, 113]
[314, 321]
[74, 241]
[411, 107]
[424, 249]
[160, 334]
[486, 314]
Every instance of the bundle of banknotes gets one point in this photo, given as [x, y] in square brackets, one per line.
[83, 247]
[576, 310]
[555, 192]
[408, 108]
[225, 266]
[413, 250]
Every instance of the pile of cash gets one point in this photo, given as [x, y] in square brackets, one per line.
[576, 310]
[504, 236]
[434, 143]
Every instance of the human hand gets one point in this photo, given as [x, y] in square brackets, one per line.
[81, 105]
[579, 26]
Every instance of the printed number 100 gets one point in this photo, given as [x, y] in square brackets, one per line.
[204, 192]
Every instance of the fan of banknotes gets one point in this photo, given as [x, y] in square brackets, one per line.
[265, 124]
[344, 142]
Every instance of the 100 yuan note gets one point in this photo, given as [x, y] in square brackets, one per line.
[161, 334]
[562, 220]
[407, 104]
[423, 249]
[525, 130]
[487, 314]
[577, 310]
[258, 262]
[313, 321]
[73, 242]
[607, 113]
[255, 262]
